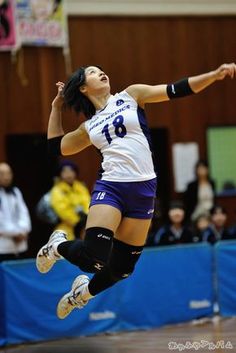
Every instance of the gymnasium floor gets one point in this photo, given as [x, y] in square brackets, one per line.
[211, 331]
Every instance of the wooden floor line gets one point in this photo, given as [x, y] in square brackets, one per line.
[216, 332]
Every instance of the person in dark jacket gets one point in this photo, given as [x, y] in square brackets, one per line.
[200, 225]
[200, 194]
[175, 232]
[217, 229]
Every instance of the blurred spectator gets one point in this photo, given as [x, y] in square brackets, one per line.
[229, 185]
[232, 232]
[228, 188]
[70, 200]
[201, 224]
[175, 232]
[155, 223]
[200, 193]
[15, 223]
[216, 230]
[232, 229]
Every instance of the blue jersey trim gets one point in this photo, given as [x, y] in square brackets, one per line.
[100, 170]
[145, 129]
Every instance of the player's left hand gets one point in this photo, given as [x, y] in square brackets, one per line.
[225, 70]
[59, 100]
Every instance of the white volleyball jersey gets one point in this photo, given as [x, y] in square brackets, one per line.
[119, 131]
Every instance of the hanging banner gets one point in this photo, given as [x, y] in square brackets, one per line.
[8, 40]
[42, 22]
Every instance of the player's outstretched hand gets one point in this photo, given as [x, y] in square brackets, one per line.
[225, 70]
[59, 100]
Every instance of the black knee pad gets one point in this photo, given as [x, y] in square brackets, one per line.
[123, 259]
[95, 249]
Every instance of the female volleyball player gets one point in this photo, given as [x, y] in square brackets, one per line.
[123, 198]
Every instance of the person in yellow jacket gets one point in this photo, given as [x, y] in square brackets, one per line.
[70, 200]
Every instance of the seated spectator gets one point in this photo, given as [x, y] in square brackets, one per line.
[200, 225]
[155, 224]
[15, 223]
[232, 232]
[200, 193]
[70, 200]
[216, 230]
[175, 232]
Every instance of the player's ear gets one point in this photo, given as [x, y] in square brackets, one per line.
[83, 89]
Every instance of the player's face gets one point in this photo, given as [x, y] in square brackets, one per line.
[96, 81]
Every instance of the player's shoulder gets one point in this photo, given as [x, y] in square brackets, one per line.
[124, 96]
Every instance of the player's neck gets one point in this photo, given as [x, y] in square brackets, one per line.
[100, 102]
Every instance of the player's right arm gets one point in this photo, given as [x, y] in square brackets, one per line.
[75, 141]
[59, 142]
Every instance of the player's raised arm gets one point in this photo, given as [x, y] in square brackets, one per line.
[198, 83]
[55, 128]
[159, 93]
[60, 143]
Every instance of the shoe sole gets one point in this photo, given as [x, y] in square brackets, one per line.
[39, 258]
[42, 263]
[75, 284]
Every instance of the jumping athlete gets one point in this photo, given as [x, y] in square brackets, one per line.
[122, 201]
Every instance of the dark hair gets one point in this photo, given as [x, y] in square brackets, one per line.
[176, 204]
[74, 98]
[217, 208]
[201, 162]
[69, 164]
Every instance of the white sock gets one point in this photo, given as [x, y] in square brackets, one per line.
[85, 295]
[55, 246]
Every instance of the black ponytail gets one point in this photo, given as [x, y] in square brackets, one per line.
[74, 98]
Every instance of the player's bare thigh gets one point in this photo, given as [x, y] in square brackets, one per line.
[104, 216]
[133, 231]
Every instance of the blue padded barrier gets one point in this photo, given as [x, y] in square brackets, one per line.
[31, 299]
[225, 258]
[171, 284]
